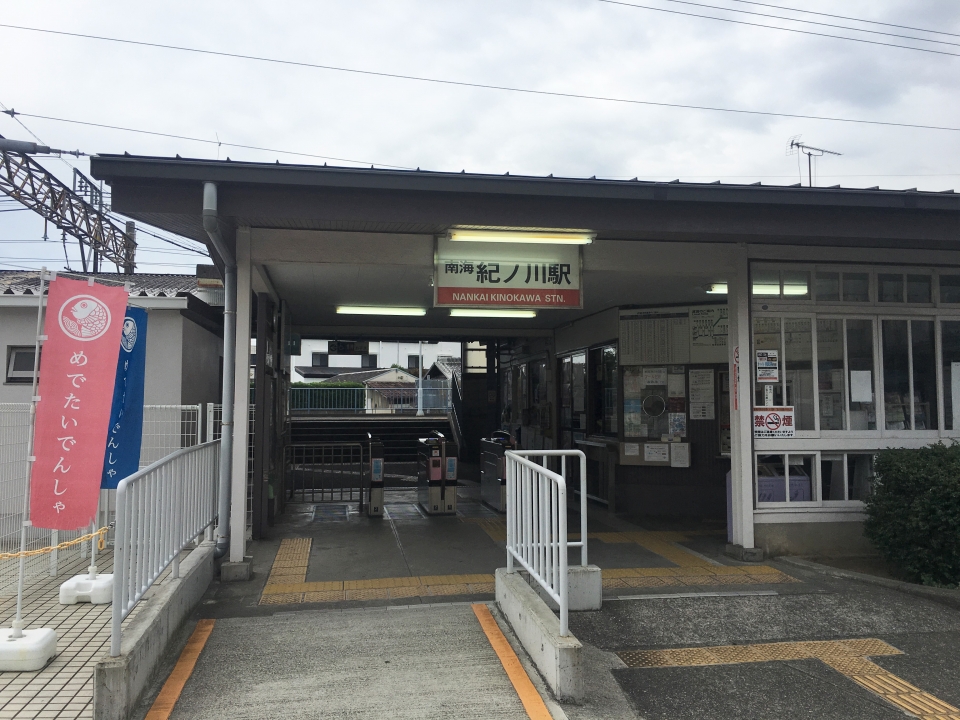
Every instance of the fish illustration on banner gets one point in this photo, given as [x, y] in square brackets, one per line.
[78, 367]
[122, 457]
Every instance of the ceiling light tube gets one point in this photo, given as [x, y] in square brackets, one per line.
[549, 237]
[492, 313]
[718, 288]
[371, 310]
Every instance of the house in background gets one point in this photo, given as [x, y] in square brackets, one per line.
[184, 335]
[323, 359]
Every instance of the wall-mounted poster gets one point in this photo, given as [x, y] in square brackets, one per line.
[709, 328]
[656, 452]
[653, 337]
[678, 424]
[768, 366]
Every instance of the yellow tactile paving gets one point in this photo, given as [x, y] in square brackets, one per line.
[287, 585]
[847, 657]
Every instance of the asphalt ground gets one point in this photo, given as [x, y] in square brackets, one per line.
[667, 587]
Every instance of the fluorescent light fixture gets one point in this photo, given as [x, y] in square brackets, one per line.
[795, 289]
[371, 310]
[549, 237]
[492, 313]
[766, 288]
[718, 288]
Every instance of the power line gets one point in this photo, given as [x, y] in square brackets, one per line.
[844, 17]
[462, 83]
[775, 27]
[814, 22]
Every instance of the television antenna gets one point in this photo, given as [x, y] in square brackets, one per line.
[794, 145]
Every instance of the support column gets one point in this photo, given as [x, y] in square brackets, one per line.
[238, 488]
[741, 401]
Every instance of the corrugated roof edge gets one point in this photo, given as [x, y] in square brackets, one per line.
[112, 168]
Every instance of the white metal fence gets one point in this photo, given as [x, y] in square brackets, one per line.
[166, 429]
[537, 521]
[160, 510]
[372, 400]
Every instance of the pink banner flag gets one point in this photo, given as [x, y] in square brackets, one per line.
[78, 366]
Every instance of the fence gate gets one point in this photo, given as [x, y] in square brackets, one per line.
[323, 472]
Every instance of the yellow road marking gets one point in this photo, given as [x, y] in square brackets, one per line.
[170, 692]
[532, 702]
[848, 657]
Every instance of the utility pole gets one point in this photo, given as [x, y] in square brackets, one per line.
[28, 182]
[811, 152]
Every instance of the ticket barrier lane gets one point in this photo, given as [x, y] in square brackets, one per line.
[437, 475]
[493, 470]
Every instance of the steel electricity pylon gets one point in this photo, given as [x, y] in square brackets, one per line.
[28, 182]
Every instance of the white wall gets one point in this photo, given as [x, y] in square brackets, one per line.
[164, 352]
[200, 369]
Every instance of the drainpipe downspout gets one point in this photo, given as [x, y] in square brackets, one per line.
[212, 227]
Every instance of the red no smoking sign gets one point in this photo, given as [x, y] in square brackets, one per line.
[773, 422]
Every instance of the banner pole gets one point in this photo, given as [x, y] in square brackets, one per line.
[17, 626]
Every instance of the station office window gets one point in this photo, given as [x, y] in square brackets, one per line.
[605, 378]
[909, 375]
[19, 364]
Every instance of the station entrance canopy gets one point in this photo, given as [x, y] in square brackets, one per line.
[327, 237]
[654, 269]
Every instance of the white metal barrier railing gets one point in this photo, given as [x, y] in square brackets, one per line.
[537, 521]
[160, 510]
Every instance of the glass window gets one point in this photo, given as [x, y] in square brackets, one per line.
[896, 374]
[950, 289]
[918, 289]
[890, 288]
[830, 375]
[832, 478]
[863, 410]
[766, 283]
[766, 336]
[785, 478]
[798, 370]
[573, 377]
[796, 284]
[604, 369]
[856, 287]
[771, 478]
[859, 476]
[950, 340]
[924, 375]
[828, 287]
[20, 364]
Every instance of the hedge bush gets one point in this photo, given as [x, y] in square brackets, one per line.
[913, 514]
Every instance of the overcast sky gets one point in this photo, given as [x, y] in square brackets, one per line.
[572, 46]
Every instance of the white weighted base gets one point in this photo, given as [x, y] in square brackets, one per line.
[31, 652]
[81, 588]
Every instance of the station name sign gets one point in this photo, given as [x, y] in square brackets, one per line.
[503, 275]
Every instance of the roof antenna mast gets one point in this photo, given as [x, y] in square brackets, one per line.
[810, 151]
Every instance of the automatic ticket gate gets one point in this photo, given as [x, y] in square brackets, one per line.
[375, 499]
[493, 469]
[437, 475]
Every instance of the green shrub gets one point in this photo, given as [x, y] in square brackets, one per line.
[913, 515]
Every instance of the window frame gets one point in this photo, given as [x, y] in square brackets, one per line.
[18, 377]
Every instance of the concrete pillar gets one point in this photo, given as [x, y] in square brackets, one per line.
[741, 401]
[238, 488]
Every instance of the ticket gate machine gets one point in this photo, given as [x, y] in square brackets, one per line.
[437, 475]
[375, 499]
[493, 469]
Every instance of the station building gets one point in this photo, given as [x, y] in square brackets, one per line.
[725, 352]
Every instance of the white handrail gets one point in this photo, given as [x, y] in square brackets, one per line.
[563, 455]
[537, 527]
[160, 509]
